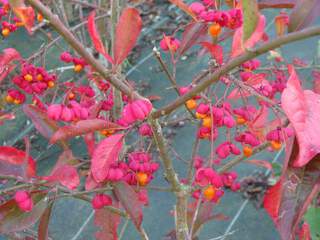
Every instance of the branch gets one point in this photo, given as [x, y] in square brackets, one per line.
[181, 191]
[163, 151]
[80, 49]
[291, 37]
[240, 158]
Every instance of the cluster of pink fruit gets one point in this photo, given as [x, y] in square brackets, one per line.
[141, 168]
[7, 26]
[79, 63]
[32, 80]
[211, 183]
[68, 113]
[214, 117]
[206, 11]
[135, 111]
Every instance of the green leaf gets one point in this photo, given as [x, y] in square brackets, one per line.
[303, 14]
[12, 219]
[250, 17]
[313, 218]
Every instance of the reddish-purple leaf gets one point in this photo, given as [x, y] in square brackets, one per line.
[303, 110]
[44, 223]
[238, 46]
[215, 50]
[66, 175]
[191, 36]
[105, 154]
[129, 199]
[277, 3]
[82, 127]
[127, 32]
[12, 219]
[95, 37]
[303, 14]
[13, 162]
[108, 223]
[42, 123]
[7, 57]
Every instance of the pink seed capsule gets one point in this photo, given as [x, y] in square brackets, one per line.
[66, 114]
[197, 7]
[203, 108]
[223, 151]
[21, 196]
[26, 205]
[66, 57]
[97, 202]
[84, 113]
[145, 130]
[54, 111]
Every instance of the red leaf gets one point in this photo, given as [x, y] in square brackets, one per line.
[24, 13]
[66, 175]
[12, 162]
[127, 32]
[44, 223]
[304, 233]
[90, 183]
[42, 123]
[303, 14]
[184, 7]
[191, 35]
[289, 199]
[303, 110]
[108, 223]
[105, 154]
[256, 82]
[259, 126]
[276, 3]
[216, 51]
[82, 127]
[12, 219]
[89, 139]
[7, 56]
[95, 37]
[272, 200]
[130, 201]
[238, 46]
[316, 81]
[66, 157]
